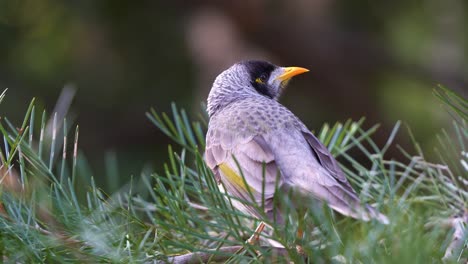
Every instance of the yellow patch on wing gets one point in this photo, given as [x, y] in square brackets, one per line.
[232, 176]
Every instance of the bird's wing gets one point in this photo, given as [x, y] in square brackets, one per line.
[245, 166]
[306, 164]
[325, 158]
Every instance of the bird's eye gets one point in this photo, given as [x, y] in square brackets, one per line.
[261, 79]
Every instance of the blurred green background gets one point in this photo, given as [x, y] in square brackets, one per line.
[378, 59]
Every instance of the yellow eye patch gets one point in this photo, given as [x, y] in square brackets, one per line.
[259, 80]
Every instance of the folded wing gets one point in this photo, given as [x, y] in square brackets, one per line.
[247, 170]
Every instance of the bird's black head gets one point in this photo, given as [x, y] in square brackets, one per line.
[260, 72]
[249, 78]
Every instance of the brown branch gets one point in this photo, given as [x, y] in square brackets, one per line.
[57, 236]
[220, 254]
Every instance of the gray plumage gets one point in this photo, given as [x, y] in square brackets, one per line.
[249, 126]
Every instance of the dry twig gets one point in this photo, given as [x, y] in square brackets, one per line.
[220, 254]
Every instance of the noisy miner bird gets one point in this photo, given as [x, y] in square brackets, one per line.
[252, 136]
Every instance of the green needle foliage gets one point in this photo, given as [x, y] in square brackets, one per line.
[52, 211]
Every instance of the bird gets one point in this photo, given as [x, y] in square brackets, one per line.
[256, 147]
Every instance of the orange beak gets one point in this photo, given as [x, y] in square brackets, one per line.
[290, 72]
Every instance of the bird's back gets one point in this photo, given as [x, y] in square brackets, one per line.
[253, 115]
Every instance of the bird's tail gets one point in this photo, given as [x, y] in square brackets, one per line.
[375, 214]
[340, 197]
[364, 212]
[345, 201]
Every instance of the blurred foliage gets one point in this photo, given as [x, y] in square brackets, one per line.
[121, 57]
